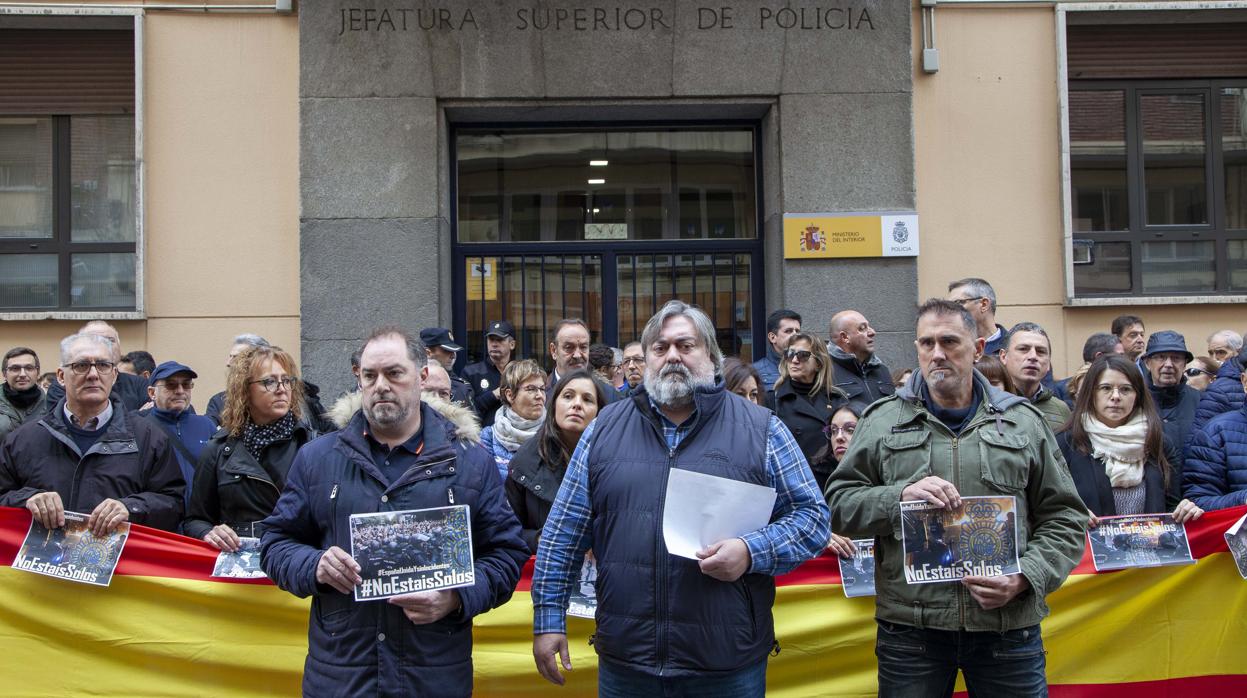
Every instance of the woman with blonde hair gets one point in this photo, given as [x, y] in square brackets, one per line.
[523, 395]
[806, 397]
[242, 469]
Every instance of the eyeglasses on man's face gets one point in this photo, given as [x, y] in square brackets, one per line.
[271, 384]
[22, 368]
[82, 368]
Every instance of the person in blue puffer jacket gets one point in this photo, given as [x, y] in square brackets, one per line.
[523, 395]
[1216, 459]
[1224, 394]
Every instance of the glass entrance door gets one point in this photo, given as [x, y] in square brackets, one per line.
[615, 294]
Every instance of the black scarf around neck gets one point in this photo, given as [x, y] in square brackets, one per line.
[23, 399]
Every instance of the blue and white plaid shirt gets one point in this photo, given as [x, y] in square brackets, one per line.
[799, 529]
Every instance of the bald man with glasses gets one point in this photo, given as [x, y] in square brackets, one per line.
[88, 455]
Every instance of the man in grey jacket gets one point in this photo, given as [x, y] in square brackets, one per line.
[946, 434]
[21, 398]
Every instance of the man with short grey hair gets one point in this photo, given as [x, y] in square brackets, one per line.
[979, 299]
[615, 486]
[131, 390]
[1224, 345]
[89, 455]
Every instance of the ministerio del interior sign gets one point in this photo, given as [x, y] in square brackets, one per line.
[836, 235]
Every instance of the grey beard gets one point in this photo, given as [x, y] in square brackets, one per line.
[390, 418]
[669, 392]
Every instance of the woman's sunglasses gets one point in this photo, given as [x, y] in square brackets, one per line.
[1193, 371]
[799, 354]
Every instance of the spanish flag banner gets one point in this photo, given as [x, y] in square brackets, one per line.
[165, 627]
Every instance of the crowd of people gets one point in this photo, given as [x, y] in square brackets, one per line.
[573, 461]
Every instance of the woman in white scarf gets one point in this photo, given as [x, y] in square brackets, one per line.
[1114, 444]
[523, 394]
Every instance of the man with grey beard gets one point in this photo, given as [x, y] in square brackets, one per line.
[666, 624]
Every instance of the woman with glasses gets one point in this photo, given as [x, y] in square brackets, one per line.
[523, 395]
[1115, 447]
[1201, 372]
[538, 467]
[242, 469]
[839, 433]
[806, 397]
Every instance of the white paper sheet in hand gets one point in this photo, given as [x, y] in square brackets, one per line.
[703, 509]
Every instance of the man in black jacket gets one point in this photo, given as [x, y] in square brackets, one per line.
[1165, 360]
[88, 455]
[859, 373]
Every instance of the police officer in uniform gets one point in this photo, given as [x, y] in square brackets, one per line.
[485, 375]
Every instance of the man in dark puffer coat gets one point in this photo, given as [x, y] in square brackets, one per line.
[396, 454]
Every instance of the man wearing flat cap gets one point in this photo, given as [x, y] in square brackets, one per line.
[485, 375]
[1165, 361]
[169, 389]
[439, 346]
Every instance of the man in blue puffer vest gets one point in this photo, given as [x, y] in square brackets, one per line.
[667, 624]
[395, 454]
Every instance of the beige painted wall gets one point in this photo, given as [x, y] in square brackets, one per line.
[988, 173]
[221, 144]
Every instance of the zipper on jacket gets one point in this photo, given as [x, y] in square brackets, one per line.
[333, 514]
[961, 593]
[267, 482]
[450, 494]
[660, 576]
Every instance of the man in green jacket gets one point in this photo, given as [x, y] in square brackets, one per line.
[944, 435]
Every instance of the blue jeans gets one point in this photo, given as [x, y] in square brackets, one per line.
[615, 681]
[916, 663]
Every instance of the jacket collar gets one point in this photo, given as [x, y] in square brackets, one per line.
[1166, 396]
[1230, 369]
[845, 358]
[438, 432]
[171, 417]
[995, 399]
[118, 426]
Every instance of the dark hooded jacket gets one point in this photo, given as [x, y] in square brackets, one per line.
[131, 462]
[1177, 405]
[861, 382]
[372, 649]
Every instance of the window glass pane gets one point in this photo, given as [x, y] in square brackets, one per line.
[604, 185]
[103, 178]
[1108, 272]
[102, 280]
[533, 293]
[1237, 253]
[28, 281]
[1234, 152]
[1179, 266]
[1173, 159]
[25, 178]
[1097, 130]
